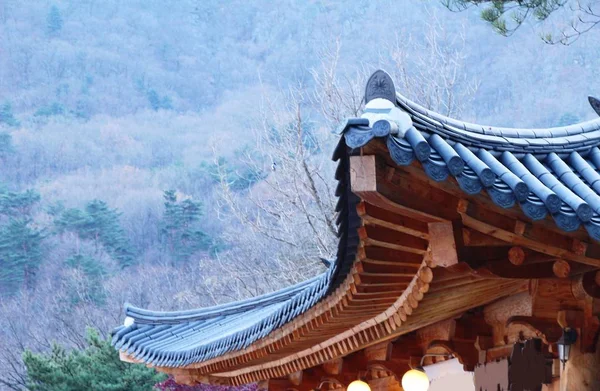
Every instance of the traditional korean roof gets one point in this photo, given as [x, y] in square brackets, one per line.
[179, 338]
[381, 272]
[546, 172]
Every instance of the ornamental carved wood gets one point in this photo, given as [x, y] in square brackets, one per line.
[529, 368]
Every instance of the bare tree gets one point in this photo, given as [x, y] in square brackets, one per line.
[431, 69]
[337, 94]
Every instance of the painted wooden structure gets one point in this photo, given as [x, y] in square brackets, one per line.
[454, 238]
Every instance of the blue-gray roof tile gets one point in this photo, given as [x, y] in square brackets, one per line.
[550, 171]
[179, 338]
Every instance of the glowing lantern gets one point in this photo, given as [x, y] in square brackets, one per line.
[358, 385]
[415, 380]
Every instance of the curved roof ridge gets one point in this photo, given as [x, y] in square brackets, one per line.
[148, 316]
[589, 129]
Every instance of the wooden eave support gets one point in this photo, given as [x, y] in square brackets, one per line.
[442, 244]
[518, 256]
[334, 367]
[426, 201]
[527, 235]
[412, 189]
[402, 216]
[366, 180]
[465, 351]
[547, 329]
[556, 269]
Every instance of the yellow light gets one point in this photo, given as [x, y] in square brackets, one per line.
[358, 385]
[415, 380]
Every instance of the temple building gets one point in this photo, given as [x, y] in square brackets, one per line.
[466, 252]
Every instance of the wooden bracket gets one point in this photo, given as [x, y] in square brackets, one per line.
[465, 352]
[295, 378]
[548, 330]
[333, 367]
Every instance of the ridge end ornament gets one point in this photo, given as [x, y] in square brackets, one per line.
[385, 117]
[380, 85]
[595, 103]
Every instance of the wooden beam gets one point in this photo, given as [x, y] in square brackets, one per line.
[333, 367]
[561, 269]
[373, 215]
[549, 296]
[405, 347]
[379, 352]
[474, 238]
[385, 237]
[442, 244]
[295, 378]
[518, 256]
[364, 183]
[444, 330]
[534, 237]
[508, 270]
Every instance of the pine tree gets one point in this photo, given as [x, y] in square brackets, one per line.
[20, 243]
[96, 368]
[18, 204]
[157, 102]
[100, 224]
[6, 115]
[6, 147]
[54, 21]
[20, 255]
[181, 235]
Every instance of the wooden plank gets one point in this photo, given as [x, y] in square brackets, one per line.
[397, 256]
[373, 215]
[442, 245]
[374, 266]
[381, 234]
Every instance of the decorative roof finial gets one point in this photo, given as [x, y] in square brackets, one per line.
[380, 85]
[595, 103]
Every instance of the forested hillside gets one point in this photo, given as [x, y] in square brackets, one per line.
[175, 154]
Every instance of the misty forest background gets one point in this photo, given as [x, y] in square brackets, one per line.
[176, 154]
